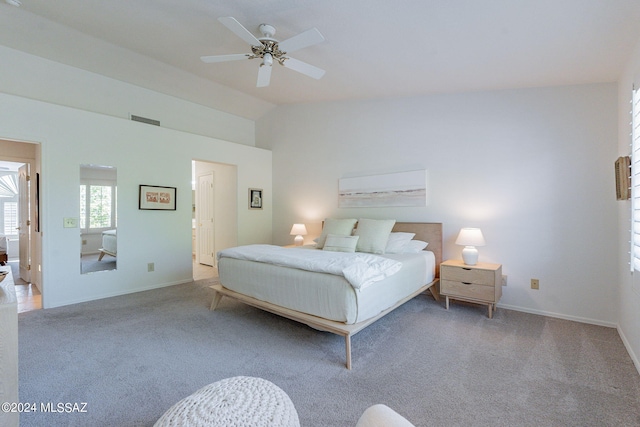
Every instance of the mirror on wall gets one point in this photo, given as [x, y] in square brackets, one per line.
[98, 218]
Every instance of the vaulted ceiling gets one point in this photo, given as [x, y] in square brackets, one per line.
[372, 48]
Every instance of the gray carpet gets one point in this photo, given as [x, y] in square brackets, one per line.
[90, 264]
[131, 357]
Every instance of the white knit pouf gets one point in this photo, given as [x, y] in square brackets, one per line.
[236, 401]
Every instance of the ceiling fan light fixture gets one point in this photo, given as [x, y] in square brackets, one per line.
[268, 31]
[269, 50]
[267, 60]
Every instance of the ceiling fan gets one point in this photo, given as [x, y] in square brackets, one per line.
[269, 49]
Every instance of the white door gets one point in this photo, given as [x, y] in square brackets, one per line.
[24, 224]
[205, 220]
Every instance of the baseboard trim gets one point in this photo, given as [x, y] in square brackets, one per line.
[116, 294]
[627, 345]
[559, 316]
[625, 341]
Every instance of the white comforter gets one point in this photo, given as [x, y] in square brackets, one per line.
[359, 269]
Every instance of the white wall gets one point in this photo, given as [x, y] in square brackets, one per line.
[629, 287]
[533, 168]
[34, 77]
[143, 154]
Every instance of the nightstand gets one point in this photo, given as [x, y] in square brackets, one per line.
[480, 283]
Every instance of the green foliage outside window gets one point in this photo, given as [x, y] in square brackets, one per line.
[97, 205]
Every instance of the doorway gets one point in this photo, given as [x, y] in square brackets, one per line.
[214, 226]
[205, 219]
[18, 220]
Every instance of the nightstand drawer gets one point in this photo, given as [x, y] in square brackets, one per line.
[468, 275]
[467, 290]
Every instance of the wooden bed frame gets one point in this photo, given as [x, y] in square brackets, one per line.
[426, 231]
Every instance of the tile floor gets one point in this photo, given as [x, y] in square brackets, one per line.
[201, 271]
[27, 295]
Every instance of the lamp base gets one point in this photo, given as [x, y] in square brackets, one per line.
[299, 240]
[470, 255]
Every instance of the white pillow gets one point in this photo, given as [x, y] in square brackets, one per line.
[397, 242]
[374, 234]
[339, 243]
[414, 246]
[343, 227]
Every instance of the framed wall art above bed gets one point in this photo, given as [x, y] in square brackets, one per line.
[384, 190]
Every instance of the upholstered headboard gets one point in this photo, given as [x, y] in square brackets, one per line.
[430, 232]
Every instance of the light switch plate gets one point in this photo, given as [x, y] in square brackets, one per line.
[70, 223]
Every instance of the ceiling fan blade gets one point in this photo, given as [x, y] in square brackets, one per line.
[307, 38]
[239, 30]
[224, 58]
[264, 75]
[304, 68]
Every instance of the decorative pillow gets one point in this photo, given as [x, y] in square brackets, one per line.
[342, 227]
[397, 242]
[339, 243]
[414, 246]
[374, 234]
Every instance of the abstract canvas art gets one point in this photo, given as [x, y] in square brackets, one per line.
[391, 189]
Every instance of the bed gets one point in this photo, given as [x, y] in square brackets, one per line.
[109, 244]
[330, 302]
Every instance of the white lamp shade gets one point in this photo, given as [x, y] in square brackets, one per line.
[298, 230]
[470, 237]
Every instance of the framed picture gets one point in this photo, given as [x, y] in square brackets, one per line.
[154, 197]
[391, 189]
[255, 198]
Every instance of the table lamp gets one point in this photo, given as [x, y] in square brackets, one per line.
[298, 230]
[470, 238]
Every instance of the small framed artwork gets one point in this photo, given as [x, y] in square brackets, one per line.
[154, 197]
[255, 198]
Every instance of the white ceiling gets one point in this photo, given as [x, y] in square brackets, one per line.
[373, 48]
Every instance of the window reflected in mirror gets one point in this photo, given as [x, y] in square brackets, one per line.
[98, 218]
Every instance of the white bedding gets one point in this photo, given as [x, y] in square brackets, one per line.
[109, 242]
[360, 269]
[326, 295]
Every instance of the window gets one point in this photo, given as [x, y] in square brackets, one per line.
[10, 218]
[97, 207]
[635, 180]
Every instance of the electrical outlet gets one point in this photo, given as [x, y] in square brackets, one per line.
[504, 280]
[84, 242]
[151, 267]
[535, 284]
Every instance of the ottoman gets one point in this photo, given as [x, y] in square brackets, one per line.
[236, 401]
